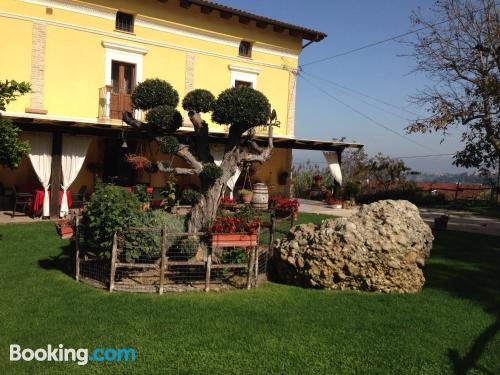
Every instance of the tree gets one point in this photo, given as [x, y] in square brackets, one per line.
[242, 109]
[12, 149]
[387, 172]
[460, 53]
[354, 166]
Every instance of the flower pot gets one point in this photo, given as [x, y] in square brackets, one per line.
[246, 198]
[233, 239]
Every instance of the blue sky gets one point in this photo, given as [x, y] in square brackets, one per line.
[380, 72]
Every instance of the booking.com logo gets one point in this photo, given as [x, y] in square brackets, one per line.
[61, 354]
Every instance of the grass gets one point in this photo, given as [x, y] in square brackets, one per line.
[452, 326]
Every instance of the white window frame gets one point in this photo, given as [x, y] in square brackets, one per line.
[244, 73]
[126, 53]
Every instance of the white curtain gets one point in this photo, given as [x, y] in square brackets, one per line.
[74, 151]
[41, 159]
[217, 151]
[333, 164]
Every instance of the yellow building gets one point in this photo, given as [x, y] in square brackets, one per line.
[84, 58]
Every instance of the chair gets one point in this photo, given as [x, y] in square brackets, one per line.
[79, 198]
[20, 200]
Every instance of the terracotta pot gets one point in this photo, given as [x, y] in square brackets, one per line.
[246, 198]
[233, 239]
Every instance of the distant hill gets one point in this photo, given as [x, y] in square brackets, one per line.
[449, 178]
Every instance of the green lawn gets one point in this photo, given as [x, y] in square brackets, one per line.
[450, 327]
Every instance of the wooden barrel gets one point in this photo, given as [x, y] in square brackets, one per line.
[260, 198]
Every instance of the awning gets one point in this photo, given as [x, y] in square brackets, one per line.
[39, 123]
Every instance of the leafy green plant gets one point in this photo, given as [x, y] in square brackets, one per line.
[188, 247]
[10, 90]
[108, 210]
[153, 93]
[231, 256]
[165, 118]
[169, 192]
[198, 100]
[146, 244]
[209, 175]
[12, 149]
[190, 197]
[241, 107]
[142, 193]
[169, 144]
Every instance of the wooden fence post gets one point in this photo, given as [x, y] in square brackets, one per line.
[208, 270]
[256, 268]
[77, 249]
[114, 250]
[256, 250]
[272, 230]
[163, 261]
[250, 268]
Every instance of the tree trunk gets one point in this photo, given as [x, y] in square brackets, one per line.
[205, 211]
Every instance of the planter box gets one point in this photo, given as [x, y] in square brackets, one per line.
[233, 240]
[64, 228]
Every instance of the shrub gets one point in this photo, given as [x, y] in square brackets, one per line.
[190, 197]
[169, 144]
[146, 245]
[417, 197]
[142, 193]
[108, 211]
[165, 118]
[188, 247]
[198, 101]
[154, 92]
[243, 107]
[12, 149]
[209, 175]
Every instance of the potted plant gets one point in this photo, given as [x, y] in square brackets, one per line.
[227, 202]
[64, 228]
[318, 179]
[138, 161]
[246, 195]
[283, 207]
[169, 193]
[234, 231]
[189, 198]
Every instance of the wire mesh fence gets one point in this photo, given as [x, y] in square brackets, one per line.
[153, 260]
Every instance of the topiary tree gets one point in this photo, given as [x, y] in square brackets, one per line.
[242, 109]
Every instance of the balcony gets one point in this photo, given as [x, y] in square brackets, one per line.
[105, 103]
[112, 105]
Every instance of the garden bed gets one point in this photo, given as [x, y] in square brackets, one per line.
[189, 263]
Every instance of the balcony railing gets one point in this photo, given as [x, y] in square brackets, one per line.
[104, 102]
[104, 111]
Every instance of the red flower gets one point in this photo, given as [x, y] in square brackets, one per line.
[227, 224]
[284, 204]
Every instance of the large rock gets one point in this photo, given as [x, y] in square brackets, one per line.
[381, 248]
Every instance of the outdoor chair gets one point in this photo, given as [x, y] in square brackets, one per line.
[20, 200]
[79, 198]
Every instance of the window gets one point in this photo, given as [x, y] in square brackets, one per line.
[124, 22]
[238, 83]
[245, 49]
